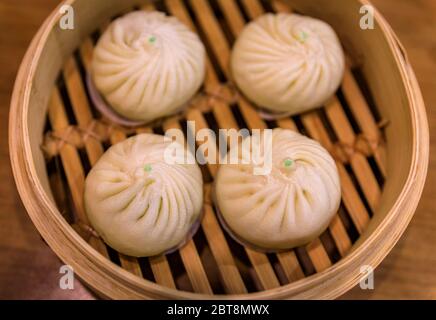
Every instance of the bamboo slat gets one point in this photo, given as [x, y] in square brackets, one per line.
[318, 255]
[253, 8]
[162, 271]
[230, 276]
[231, 10]
[290, 266]
[214, 33]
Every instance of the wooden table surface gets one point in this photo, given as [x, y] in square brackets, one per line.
[30, 270]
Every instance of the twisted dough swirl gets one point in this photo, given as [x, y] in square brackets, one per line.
[138, 203]
[288, 207]
[288, 63]
[148, 65]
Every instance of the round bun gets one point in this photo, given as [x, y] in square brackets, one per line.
[137, 202]
[286, 207]
[288, 63]
[148, 65]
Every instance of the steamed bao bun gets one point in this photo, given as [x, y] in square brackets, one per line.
[148, 65]
[138, 203]
[287, 207]
[288, 63]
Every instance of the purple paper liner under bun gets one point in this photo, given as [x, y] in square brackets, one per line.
[102, 106]
[234, 236]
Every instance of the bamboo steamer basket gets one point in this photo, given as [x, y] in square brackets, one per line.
[375, 127]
